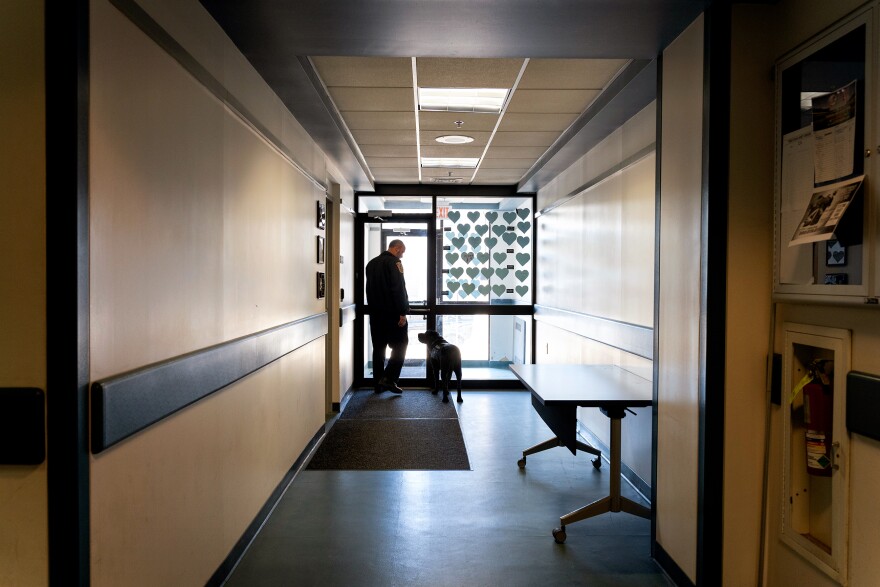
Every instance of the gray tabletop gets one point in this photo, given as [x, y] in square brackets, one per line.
[600, 386]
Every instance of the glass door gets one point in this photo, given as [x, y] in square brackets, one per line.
[416, 234]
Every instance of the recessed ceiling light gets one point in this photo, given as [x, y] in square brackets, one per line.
[487, 100]
[454, 139]
[469, 162]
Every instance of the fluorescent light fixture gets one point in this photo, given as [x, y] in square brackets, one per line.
[454, 139]
[469, 162]
[486, 100]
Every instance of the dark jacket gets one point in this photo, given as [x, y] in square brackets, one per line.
[386, 287]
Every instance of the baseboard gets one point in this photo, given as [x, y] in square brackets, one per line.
[337, 407]
[628, 474]
[670, 567]
[235, 555]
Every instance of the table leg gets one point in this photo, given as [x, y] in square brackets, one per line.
[614, 502]
[553, 443]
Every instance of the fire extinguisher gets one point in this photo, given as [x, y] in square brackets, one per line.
[819, 418]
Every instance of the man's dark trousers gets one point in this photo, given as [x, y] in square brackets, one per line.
[384, 331]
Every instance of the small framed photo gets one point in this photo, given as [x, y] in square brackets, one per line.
[835, 253]
[836, 279]
[321, 284]
[320, 250]
[322, 215]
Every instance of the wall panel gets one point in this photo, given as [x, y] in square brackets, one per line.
[679, 303]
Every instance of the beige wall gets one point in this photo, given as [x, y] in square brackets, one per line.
[202, 228]
[23, 529]
[797, 21]
[596, 257]
[679, 303]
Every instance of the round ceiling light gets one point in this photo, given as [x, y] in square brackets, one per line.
[454, 139]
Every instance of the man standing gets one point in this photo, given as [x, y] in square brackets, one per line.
[389, 305]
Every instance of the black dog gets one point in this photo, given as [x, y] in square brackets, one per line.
[444, 359]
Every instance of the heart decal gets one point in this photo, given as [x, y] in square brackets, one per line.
[499, 289]
[524, 226]
[473, 216]
[456, 272]
[499, 229]
[464, 228]
[453, 286]
[453, 215]
[487, 272]
[523, 258]
[502, 273]
[484, 290]
[475, 241]
[491, 216]
[523, 212]
[509, 217]
[482, 258]
[452, 258]
[500, 257]
[522, 290]
[472, 272]
[468, 288]
[509, 237]
[482, 229]
[467, 257]
[490, 242]
[523, 240]
[458, 242]
[522, 275]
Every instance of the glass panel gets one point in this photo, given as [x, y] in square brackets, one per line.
[414, 363]
[485, 250]
[488, 343]
[415, 260]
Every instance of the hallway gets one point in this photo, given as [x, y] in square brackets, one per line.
[487, 526]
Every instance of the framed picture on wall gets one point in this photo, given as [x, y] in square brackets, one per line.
[321, 283]
[322, 215]
[321, 250]
[835, 253]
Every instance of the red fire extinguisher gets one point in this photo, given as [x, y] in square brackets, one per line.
[819, 418]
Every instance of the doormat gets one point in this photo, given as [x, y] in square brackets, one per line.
[386, 432]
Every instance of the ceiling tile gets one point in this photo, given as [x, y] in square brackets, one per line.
[397, 175]
[388, 72]
[574, 101]
[372, 99]
[384, 137]
[378, 162]
[524, 139]
[464, 172]
[529, 121]
[554, 74]
[438, 150]
[498, 176]
[445, 121]
[436, 72]
[389, 151]
[380, 120]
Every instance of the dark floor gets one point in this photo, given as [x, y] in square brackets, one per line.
[488, 526]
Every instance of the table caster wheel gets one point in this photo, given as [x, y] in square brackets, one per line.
[597, 462]
[521, 463]
[559, 535]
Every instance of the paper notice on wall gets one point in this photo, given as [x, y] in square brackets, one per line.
[834, 133]
[795, 263]
[824, 211]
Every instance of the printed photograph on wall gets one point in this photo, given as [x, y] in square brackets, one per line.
[322, 215]
[320, 251]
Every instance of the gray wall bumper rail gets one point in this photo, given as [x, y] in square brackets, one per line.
[125, 404]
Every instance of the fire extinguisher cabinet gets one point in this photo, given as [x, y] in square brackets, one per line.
[815, 515]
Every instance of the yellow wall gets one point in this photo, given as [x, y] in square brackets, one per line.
[23, 518]
[202, 230]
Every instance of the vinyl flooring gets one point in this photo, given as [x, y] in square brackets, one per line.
[489, 526]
